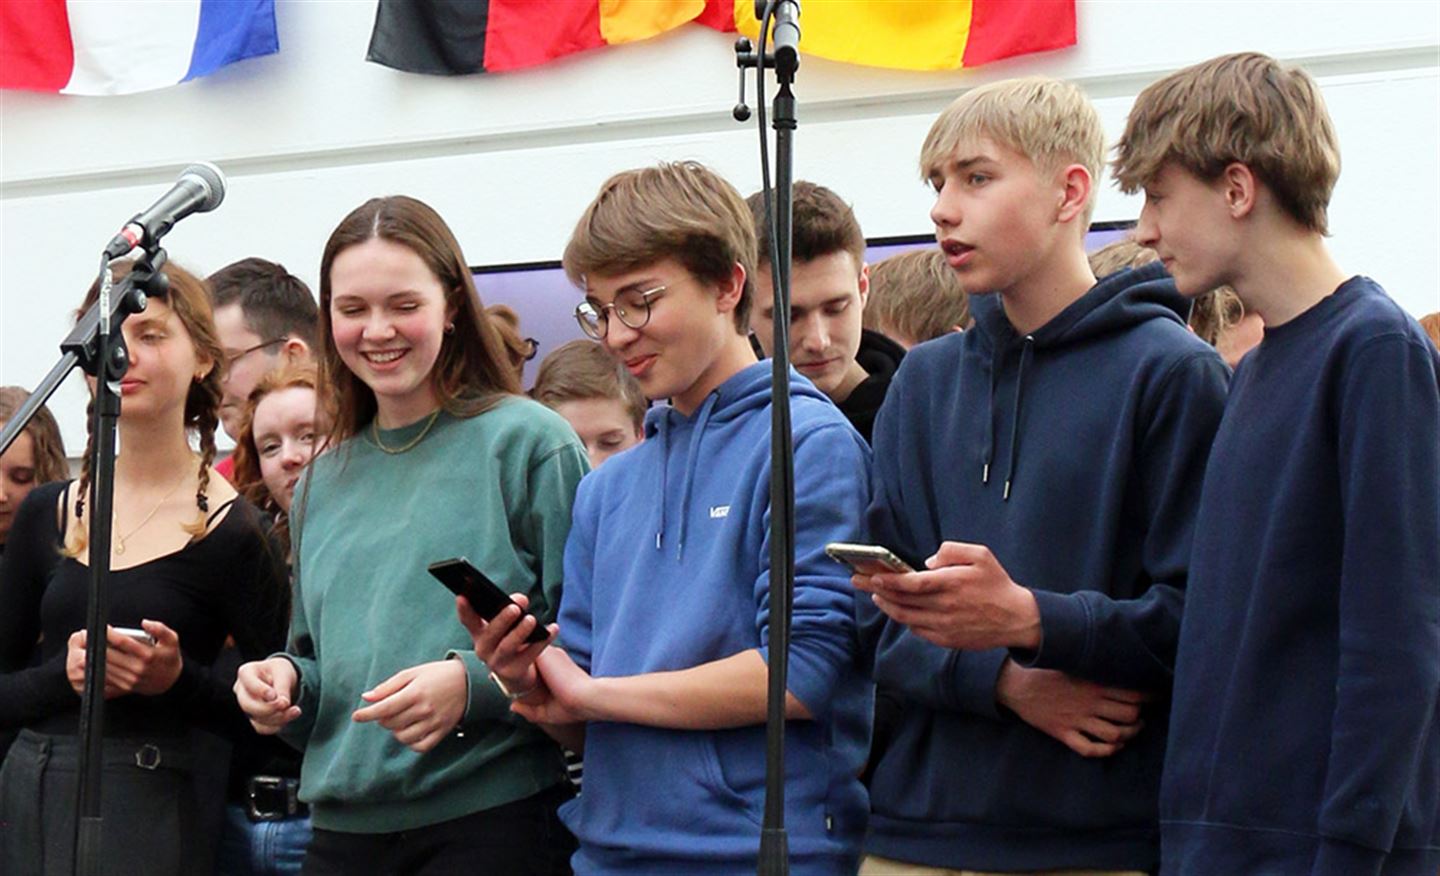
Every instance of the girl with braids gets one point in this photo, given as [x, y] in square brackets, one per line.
[413, 763]
[190, 566]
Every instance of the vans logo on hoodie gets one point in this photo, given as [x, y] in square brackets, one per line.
[718, 511]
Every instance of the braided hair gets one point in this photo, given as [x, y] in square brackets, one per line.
[189, 300]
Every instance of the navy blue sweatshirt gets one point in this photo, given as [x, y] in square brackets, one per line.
[1305, 737]
[1076, 455]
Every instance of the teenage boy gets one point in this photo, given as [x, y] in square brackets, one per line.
[596, 396]
[1042, 470]
[263, 314]
[1304, 736]
[664, 622]
[915, 297]
[829, 282]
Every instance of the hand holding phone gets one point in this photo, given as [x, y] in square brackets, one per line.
[866, 559]
[484, 596]
[135, 633]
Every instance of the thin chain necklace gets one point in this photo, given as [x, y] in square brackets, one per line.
[375, 432]
[120, 540]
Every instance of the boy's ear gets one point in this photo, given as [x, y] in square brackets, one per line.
[1240, 188]
[295, 350]
[864, 285]
[1075, 194]
[727, 294]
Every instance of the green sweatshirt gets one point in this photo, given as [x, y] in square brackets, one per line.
[497, 489]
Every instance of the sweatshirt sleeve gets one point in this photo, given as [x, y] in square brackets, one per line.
[832, 485]
[543, 523]
[1130, 642]
[302, 650]
[938, 678]
[1389, 671]
[29, 694]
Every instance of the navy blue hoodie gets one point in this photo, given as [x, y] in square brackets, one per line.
[1305, 737]
[1076, 455]
[667, 568]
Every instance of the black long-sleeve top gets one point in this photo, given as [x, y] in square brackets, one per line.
[231, 582]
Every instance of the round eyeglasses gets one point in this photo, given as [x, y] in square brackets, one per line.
[632, 308]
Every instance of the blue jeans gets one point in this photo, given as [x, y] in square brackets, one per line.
[261, 848]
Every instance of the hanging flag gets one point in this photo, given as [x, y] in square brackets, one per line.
[125, 46]
[474, 36]
[925, 34]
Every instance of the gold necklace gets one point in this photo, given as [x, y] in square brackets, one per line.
[375, 432]
[119, 546]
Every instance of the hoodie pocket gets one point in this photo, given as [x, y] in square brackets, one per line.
[734, 764]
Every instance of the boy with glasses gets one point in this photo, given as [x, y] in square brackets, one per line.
[660, 670]
[263, 314]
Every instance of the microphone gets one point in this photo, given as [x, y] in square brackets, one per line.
[200, 189]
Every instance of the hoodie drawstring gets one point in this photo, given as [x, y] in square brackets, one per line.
[995, 362]
[700, 423]
[1025, 353]
[663, 427]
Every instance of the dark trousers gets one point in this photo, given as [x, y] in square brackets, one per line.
[524, 838]
[147, 808]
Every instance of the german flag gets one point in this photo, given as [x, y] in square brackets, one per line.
[449, 37]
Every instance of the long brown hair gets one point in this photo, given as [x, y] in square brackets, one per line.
[472, 373]
[188, 297]
[44, 432]
[248, 480]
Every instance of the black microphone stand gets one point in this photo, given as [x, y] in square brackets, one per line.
[774, 857]
[97, 346]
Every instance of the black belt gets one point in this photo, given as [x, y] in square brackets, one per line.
[273, 798]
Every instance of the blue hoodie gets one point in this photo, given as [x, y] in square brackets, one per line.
[1076, 455]
[667, 568]
[1306, 731]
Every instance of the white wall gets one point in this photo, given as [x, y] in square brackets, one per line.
[511, 160]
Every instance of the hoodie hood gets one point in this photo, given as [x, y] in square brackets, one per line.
[1114, 305]
[740, 395]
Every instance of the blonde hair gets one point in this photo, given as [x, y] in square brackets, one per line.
[916, 295]
[1246, 108]
[1431, 325]
[1051, 123]
[1120, 254]
[681, 210]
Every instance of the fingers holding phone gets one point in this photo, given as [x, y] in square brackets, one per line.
[505, 643]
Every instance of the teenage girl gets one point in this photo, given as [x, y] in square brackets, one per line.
[190, 566]
[413, 763]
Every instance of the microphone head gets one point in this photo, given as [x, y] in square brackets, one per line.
[211, 179]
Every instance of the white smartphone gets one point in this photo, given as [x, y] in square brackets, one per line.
[866, 559]
[138, 635]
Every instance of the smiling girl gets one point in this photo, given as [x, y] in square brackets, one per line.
[432, 455]
[190, 565]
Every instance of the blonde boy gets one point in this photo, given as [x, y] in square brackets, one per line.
[1041, 468]
[1304, 735]
[915, 297]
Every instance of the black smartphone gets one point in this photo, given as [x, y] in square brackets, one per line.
[484, 595]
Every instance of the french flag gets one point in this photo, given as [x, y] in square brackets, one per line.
[125, 46]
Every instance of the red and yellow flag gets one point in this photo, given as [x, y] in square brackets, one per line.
[473, 36]
[926, 34]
